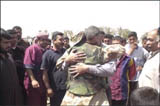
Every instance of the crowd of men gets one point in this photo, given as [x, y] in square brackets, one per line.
[98, 69]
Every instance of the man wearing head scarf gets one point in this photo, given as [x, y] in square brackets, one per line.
[34, 85]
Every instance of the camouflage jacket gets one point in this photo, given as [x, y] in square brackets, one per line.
[86, 84]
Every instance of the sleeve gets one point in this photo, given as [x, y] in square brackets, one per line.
[29, 58]
[132, 69]
[104, 70]
[45, 61]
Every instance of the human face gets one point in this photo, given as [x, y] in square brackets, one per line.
[5, 45]
[43, 42]
[66, 43]
[116, 42]
[144, 43]
[14, 40]
[99, 39]
[59, 42]
[107, 41]
[19, 33]
[151, 43]
[132, 40]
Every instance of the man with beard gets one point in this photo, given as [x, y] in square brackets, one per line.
[21, 43]
[33, 82]
[10, 90]
[57, 78]
[17, 55]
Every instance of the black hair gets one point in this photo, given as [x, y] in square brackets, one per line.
[11, 32]
[102, 32]
[66, 38]
[118, 38]
[4, 34]
[109, 36]
[17, 27]
[134, 34]
[55, 34]
[144, 96]
[144, 38]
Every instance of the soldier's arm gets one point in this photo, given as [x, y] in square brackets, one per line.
[70, 58]
[112, 53]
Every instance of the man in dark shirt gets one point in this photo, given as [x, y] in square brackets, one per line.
[17, 55]
[21, 43]
[10, 90]
[56, 78]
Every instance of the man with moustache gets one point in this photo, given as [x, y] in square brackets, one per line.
[21, 43]
[151, 71]
[33, 81]
[56, 79]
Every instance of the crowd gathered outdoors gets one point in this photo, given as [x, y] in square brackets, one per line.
[99, 69]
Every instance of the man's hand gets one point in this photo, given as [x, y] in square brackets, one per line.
[75, 57]
[78, 69]
[49, 92]
[35, 84]
[139, 68]
[133, 46]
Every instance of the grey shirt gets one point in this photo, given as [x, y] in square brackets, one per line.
[140, 55]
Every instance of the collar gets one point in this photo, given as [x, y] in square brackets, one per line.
[152, 54]
[119, 60]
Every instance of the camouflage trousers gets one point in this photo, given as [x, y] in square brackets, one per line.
[99, 99]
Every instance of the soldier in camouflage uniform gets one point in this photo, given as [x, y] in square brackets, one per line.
[86, 89]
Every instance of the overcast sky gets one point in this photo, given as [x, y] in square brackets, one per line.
[139, 16]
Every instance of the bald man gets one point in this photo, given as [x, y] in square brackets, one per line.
[150, 74]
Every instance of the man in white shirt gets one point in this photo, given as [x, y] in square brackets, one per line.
[150, 74]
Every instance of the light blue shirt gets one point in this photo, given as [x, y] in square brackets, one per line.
[139, 55]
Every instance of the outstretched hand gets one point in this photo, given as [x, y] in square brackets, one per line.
[75, 57]
[78, 69]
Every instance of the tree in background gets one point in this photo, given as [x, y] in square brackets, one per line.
[117, 31]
